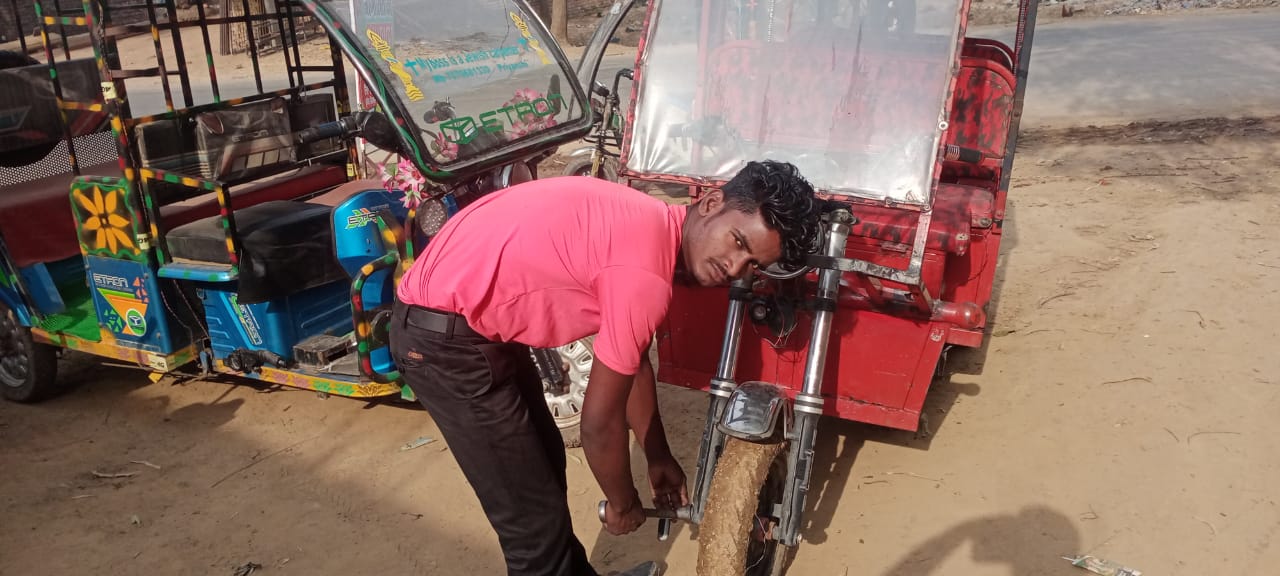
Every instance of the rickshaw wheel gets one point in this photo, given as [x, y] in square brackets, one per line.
[565, 399]
[735, 537]
[582, 167]
[28, 369]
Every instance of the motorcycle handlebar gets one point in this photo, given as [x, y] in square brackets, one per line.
[336, 129]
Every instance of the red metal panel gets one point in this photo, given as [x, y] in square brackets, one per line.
[878, 367]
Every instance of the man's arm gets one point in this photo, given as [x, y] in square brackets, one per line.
[642, 413]
[605, 444]
[632, 303]
[666, 478]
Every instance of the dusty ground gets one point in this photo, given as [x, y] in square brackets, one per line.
[1122, 407]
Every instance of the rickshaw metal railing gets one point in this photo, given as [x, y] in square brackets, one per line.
[95, 15]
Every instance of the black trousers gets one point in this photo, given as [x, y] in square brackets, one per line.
[486, 397]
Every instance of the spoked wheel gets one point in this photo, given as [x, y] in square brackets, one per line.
[565, 398]
[28, 369]
[736, 535]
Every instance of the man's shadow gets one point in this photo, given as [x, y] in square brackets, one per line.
[1030, 543]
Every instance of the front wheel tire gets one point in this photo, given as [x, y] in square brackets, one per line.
[735, 537]
[28, 369]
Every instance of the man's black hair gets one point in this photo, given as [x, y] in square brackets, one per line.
[785, 199]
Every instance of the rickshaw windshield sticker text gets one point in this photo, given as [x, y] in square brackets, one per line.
[397, 68]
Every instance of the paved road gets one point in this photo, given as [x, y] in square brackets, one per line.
[1153, 67]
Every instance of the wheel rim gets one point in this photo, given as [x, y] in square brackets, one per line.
[565, 402]
[762, 549]
[14, 355]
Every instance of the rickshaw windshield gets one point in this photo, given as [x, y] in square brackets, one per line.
[473, 76]
[850, 91]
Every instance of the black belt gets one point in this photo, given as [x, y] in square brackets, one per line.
[447, 323]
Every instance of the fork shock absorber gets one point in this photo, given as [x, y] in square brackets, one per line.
[809, 402]
[722, 386]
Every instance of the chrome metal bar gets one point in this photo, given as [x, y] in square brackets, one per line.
[809, 402]
[722, 387]
[828, 289]
[733, 332]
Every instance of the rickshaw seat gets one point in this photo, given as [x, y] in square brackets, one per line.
[980, 111]
[287, 186]
[36, 222]
[956, 211]
[285, 247]
[340, 194]
[35, 217]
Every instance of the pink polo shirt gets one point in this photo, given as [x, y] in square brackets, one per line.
[551, 261]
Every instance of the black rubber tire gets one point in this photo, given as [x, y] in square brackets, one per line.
[22, 156]
[28, 369]
[581, 166]
[743, 473]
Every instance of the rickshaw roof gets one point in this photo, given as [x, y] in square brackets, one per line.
[853, 92]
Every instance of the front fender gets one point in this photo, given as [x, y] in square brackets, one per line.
[754, 412]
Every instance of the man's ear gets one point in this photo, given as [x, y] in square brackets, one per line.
[711, 203]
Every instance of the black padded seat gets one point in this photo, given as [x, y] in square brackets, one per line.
[285, 247]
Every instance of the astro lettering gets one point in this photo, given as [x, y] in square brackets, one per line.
[384, 50]
[364, 216]
[462, 130]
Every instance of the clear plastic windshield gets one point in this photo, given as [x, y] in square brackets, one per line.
[473, 75]
[850, 91]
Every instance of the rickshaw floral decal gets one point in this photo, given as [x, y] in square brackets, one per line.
[405, 178]
[104, 218]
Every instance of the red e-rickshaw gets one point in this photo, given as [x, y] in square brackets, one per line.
[907, 128]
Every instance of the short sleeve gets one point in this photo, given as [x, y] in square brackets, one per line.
[633, 302]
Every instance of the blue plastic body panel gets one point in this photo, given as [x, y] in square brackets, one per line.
[358, 242]
[42, 288]
[127, 297]
[276, 325]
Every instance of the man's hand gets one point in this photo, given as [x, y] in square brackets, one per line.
[668, 483]
[625, 520]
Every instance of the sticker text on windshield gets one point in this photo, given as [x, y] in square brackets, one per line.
[461, 130]
[384, 50]
[529, 40]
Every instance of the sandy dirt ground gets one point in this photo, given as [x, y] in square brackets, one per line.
[1121, 407]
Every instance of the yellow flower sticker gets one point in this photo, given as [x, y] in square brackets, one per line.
[111, 230]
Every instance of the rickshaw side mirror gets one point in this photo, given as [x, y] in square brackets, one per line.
[375, 128]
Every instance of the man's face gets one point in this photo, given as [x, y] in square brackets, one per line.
[727, 242]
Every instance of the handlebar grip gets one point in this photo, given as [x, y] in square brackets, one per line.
[600, 91]
[321, 131]
[682, 513]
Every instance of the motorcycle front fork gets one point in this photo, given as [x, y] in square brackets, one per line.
[808, 405]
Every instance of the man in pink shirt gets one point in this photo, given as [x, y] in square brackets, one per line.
[548, 262]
